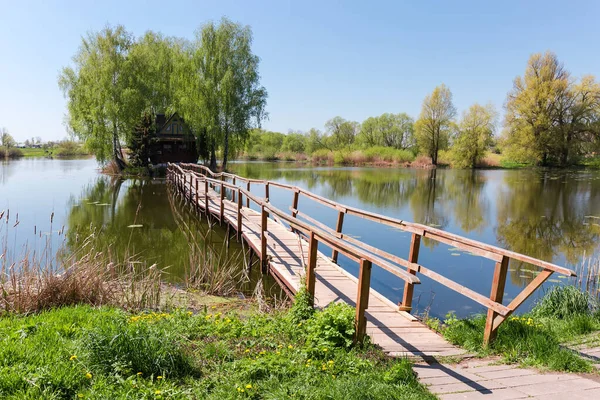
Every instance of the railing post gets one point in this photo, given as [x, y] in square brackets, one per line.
[413, 257]
[362, 300]
[206, 210]
[497, 294]
[263, 237]
[267, 191]
[248, 198]
[191, 187]
[222, 209]
[338, 229]
[197, 194]
[233, 191]
[313, 245]
[239, 214]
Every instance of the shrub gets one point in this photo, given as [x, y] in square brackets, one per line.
[332, 327]
[302, 308]
[322, 156]
[563, 302]
[11, 152]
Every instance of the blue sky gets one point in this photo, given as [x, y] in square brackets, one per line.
[319, 58]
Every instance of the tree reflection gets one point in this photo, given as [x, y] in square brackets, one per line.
[543, 214]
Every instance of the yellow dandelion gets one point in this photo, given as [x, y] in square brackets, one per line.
[333, 376]
[73, 357]
[80, 395]
[290, 346]
[247, 351]
[324, 367]
[325, 349]
[330, 362]
[248, 386]
[309, 360]
[159, 377]
[139, 374]
[157, 392]
[239, 389]
[189, 313]
[88, 375]
[278, 352]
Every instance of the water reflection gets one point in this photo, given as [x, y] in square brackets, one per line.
[542, 213]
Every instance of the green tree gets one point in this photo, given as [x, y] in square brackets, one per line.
[6, 139]
[315, 140]
[390, 130]
[219, 85]
[475, 135]
[341, 132]
[435, 123]
[103, 105]
[550, 118]
[294, 142]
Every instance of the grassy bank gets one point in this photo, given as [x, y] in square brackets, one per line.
[537, 338]
[85, 352]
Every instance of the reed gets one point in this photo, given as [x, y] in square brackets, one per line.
[33, 281]
[588, 276]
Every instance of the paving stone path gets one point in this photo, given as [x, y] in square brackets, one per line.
[485, 379]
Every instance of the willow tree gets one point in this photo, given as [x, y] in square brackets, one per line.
[550, 118]
[390, 130]
[475, 135]
[435, 123]
[219, 89]
[103, 106]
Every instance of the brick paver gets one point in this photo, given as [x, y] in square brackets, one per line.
[483, 379]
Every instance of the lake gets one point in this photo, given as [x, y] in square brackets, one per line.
[553, 215]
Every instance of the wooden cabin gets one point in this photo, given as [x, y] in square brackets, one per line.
[174, 142]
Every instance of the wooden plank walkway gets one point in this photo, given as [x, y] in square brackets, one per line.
[397, 332]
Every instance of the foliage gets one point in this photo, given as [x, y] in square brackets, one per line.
[6, 140]
[218, 86]
[564, 302]
[550, 118]
[434, 127]
[82, 352]
[389, 130]
[10, 152]
[332, 327]
[302, 308]
[103, 106]
[341, 133]
[474, 135]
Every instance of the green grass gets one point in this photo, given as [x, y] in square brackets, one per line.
[84, 352]
[33, 152]
[534, 339]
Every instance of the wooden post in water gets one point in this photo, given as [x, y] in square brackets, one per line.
[362, 299]
[338, 229]
[313, 246]
[263, 238]
[413, 257]
[239, 214]
[497, 293]
[248, 198]
[222, 209]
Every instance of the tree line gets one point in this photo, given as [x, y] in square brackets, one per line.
[550, 119]
[117, 81]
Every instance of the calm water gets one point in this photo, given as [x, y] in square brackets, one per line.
[552, 215]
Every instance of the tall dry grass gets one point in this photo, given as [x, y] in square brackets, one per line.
[588, 276]
[33, 281]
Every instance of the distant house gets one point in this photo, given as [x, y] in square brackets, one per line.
[173, 142]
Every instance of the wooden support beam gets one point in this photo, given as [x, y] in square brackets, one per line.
[222, 205]
[206, 210]
[233, 192]
[295, 202]
[239, 214]
[496, 295]
[263, 238]
[248, 198]
[413, 257]
[338, 229]
[197, 203]
[191, 187]
[313, 246]
[362, 300]
[267, 191]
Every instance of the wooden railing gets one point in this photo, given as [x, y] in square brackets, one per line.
[365, 254]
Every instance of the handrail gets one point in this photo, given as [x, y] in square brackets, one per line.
[367, 255]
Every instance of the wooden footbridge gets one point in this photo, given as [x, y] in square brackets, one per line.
[287, 245]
